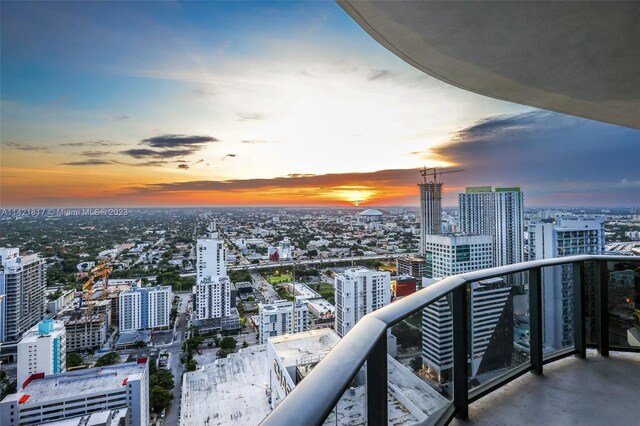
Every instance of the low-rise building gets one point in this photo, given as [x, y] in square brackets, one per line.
[291, 358]
[67, 395]
[403, 285]
[414, 266]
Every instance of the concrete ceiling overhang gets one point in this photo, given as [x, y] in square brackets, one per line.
[574, 57]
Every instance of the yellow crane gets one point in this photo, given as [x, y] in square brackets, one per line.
[101, 271]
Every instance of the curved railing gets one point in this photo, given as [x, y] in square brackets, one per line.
[314, 398]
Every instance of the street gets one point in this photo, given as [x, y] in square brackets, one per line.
[172, 417]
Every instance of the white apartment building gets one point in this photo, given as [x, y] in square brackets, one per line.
[276, 319]
[359, 291]
[211, 256]
[213, 288]
[448, 255]
[56, 397]
[145, 308]
[3, 316]
[499, 213]
[42, 350]
[213, 297]
[22, 281]
[564, 237]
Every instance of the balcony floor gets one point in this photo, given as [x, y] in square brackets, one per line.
[572, 391]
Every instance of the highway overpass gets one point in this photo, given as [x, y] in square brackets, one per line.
[310, 262]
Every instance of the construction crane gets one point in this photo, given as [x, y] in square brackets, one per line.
[434, 173]
[101, 271]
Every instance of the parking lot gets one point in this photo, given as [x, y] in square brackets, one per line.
[161, 337]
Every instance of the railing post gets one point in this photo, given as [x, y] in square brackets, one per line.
[602, 309]
[377, 411]
[579, 309]
[535, 319]
[460, 350]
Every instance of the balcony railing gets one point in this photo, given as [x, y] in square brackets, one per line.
[605, 303]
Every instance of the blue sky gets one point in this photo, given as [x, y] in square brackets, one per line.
[273, 90]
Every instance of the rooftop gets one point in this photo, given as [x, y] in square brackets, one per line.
[370, 212]
[83, 382]
[43, 328]
[239, 383]
[291, 348]
[130, 337]
[304, 290]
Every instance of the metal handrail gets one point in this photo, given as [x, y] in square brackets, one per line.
[312, 400]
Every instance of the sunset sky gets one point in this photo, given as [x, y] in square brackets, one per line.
[284, 103]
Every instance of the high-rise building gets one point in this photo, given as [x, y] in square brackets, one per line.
[430, 209]
[564, 237]
[213, 298]
[22, 281]
[448, 255]
[3, 316]
[211, 256]
[359, 291]
[213, 288]
[145, 308]
[498, 213]
[44, 399]
[491, 313]
[276, 318]
[42, 350]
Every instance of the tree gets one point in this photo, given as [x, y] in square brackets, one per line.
[109, 359]
[139, 344]
[228, 343]
[162, 378]
[159, 399]
[192, 365]
[74, 360]
[193, 343]
[416, 363]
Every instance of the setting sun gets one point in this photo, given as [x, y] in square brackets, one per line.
[354, 194]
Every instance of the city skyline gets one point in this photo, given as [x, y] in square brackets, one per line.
[140, 104]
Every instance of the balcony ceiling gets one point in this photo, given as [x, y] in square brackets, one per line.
[578, 58]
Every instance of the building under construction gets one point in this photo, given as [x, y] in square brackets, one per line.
[431, 203]
[87, 331]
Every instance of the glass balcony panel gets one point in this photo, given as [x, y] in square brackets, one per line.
[624, 304]
[351, 409]
[557, 309]
[499, 338]
[590, 288]
[419, 365]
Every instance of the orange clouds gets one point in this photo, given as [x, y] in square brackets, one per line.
[383, 187]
